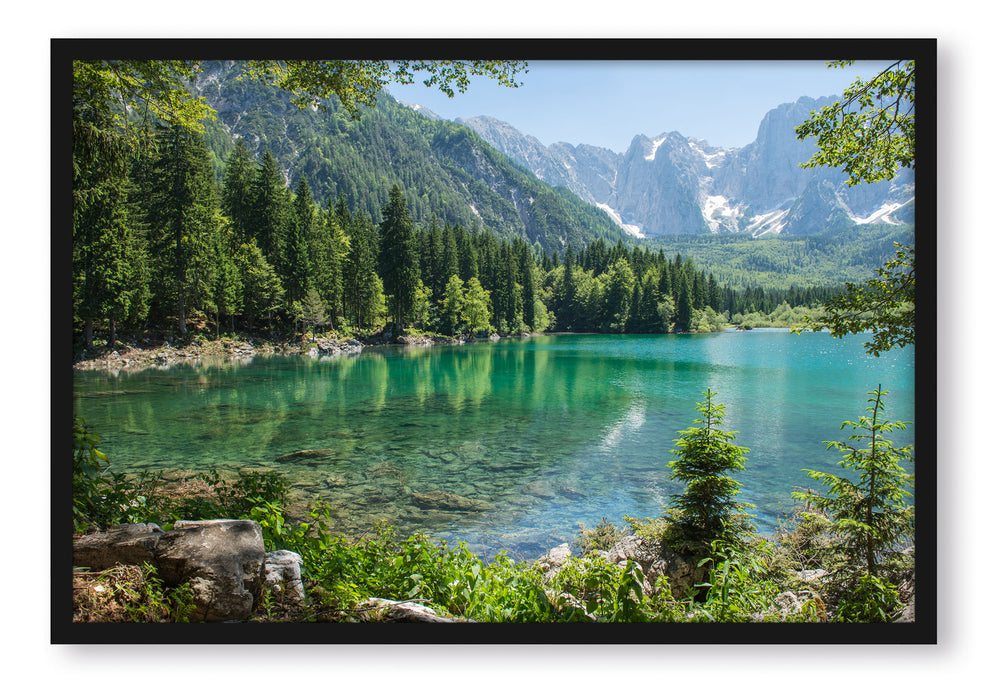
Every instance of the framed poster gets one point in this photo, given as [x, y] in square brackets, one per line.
[493, 336]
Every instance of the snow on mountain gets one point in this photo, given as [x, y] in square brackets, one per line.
[652, 155]
[425, 111]
[672, 184]
[628, 228]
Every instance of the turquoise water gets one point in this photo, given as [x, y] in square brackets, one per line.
[533, 436]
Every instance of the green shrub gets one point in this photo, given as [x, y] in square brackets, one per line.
[129, 593]
[602, 536]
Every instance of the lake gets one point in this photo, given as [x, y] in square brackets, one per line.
[527, 437]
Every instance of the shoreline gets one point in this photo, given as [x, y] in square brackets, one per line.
[133, 354]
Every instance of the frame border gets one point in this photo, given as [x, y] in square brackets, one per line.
[922, 631]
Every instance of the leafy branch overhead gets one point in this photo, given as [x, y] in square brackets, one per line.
[883, 306]
[869, 133]
[357, 83]
[158, 88]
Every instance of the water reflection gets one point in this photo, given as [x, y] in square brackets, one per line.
[528, 437]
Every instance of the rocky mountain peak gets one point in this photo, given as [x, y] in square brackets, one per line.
[669, 183]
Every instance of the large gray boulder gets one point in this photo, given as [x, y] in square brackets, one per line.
[132, 544]
[223, 560]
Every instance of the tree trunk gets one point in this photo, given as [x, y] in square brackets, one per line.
[89, 333]
[182, 314]
[113, 333]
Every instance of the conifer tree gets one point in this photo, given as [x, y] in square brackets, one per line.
[184, 217]
[868, 511]
[269, 215]
[528, 290]
[262, 288]
[108, 254]
[236, 194]
[707, 510]
[685, 307]
[362, 286]
[301, 244]
[312, 310]
[398, 257]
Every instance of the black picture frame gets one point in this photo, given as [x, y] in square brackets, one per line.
[922, 631]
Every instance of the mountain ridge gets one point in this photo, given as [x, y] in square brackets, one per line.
[445, 169]
[671, 184]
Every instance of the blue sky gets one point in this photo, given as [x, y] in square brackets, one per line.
[607, 103]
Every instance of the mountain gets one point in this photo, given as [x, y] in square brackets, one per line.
[445, 169]
[671, 184]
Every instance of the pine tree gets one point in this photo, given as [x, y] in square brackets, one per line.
[568, 294]
[262, 288]
[868, 512]
[108, 253]
[506, 298]
[526, 272]
[685, 307]
[236, 194]
[707, 510]
[362, 285]
[227, 285]
[312, 310]
[619, 294]
[301, 244]
[184, 216]
[268, 220]
[398, 257]
[449, 263]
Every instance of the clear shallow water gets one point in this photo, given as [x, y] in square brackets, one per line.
[538, 434]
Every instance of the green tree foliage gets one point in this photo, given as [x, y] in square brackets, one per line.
[363, 290]
[619, 295]
[870, 135]
[269, 216]
[180, 202]
[262, 289]
[312, 311]
[869, 511]
[398, 257]
[88, 465]
[476, 313]
[453, 306]
[359, 83]
[236, 194]
[883, 306]
[110, 277]
[685, 304]
[707, 510]
[228, 288]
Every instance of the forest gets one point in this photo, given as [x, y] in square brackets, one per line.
[163, 247]
[167, 242]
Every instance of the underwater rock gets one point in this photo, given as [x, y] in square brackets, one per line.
[306, 456]
[441, 500]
